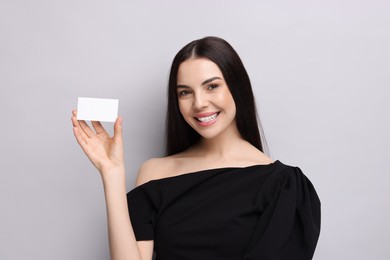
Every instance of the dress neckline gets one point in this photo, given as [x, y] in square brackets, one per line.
[210, 170]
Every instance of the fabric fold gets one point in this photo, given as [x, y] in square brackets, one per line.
[290, 225]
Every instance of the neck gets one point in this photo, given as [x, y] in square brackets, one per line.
[223, 145]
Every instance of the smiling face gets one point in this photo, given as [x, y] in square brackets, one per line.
[204, 98]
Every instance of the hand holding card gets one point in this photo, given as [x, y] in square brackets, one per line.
[104, 151]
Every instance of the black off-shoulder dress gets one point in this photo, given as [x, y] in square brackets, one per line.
[260, 212]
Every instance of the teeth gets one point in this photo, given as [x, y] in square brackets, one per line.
[207, 118]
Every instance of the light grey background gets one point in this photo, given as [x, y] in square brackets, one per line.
[320, 72]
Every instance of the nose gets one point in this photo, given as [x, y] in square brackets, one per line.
[200, 100]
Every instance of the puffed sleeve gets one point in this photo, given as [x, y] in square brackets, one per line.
[142, 210]
[289, 225]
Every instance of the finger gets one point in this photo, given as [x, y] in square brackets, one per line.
[82, 124]
[81, 137]
[99, 128]
[118, 129]
[85, 127]
[75, 122]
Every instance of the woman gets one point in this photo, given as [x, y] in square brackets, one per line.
[216, 195]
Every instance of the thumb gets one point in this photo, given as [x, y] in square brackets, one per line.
[118, 129]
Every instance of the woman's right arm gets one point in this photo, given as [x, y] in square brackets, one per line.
[106, 154]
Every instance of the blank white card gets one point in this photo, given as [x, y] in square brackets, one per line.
[97, 109]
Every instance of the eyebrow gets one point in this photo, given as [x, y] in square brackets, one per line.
[203, 83]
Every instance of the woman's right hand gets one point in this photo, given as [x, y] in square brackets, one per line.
[105, 152]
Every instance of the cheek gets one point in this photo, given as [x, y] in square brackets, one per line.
[226, 99]
[183, 107]
[180, 107]
[231, 105]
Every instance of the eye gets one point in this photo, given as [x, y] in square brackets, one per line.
[212, 86]
[184, 93]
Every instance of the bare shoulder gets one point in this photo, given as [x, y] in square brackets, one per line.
[254, 156]
[153, 169]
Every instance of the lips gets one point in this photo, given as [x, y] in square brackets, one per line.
[206, 119]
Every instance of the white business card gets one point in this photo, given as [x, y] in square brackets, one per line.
[97, 109]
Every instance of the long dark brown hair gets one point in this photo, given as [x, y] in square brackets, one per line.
[180, 135]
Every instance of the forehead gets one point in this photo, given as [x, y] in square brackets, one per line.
[195, 71]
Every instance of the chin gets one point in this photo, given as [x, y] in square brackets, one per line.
[208, 134]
